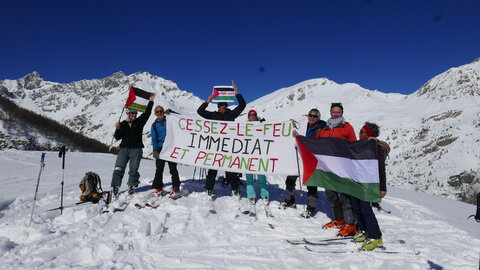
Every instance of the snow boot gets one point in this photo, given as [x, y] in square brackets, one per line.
[175, 194]
[371, 244]
[360, 236]
[347, 230]
[333, 224]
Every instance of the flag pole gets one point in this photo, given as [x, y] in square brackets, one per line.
[119, 118]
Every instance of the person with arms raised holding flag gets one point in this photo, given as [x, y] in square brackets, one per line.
[130, 132]
[313, 127]
[344, 219]
[367, 225]
[159, 132]
[223, 114]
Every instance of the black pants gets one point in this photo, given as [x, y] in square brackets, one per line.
[232, 178]
[366, 220]
[158, 180]
[312, 192]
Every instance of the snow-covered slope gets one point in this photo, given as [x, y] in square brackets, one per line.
[182, 234]
[433, 132]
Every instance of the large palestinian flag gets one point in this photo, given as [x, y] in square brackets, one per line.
[223, 94]
[340, 165]
[137, 99]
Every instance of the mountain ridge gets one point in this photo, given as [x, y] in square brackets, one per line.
[431, 131]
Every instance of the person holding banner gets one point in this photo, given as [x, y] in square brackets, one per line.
[367, 225]
[313, 127]
[159, 132]
[344, 219]
[130, 132]
[224, 114]
[262, 179]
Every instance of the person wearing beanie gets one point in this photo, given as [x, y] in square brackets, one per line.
[261, 178]
[223, 114]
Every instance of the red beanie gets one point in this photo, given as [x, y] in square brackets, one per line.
[252, 111]
[368, 130]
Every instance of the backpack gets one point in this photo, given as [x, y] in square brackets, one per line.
[91, 188]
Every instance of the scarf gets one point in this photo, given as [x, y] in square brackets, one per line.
[335, 122]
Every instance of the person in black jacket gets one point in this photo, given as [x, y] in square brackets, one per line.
[130, 132]
[223, 114]
[314, 125]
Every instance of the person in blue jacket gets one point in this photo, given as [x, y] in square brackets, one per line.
[159, 132]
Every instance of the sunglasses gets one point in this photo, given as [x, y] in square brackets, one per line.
[313, 115]
[132, 113]
[158, 111]
[252, 114]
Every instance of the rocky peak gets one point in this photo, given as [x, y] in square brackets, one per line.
[31, 81]
[454, 83]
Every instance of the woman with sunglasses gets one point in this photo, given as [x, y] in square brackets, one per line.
[313, 127]
[367, 225]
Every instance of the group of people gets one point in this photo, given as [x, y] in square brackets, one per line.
[351, 216]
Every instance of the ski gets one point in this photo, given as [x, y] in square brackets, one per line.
[146, 205]
[212, 206]
[317, 241]
[377, 250]
[268, 212]
[121, 208]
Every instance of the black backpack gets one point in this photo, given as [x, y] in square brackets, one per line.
[91, 188]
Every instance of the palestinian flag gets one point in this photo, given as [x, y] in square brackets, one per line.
[340, 165]
[223, 94]
[137, 99]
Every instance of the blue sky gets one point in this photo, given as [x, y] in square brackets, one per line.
[388, 45]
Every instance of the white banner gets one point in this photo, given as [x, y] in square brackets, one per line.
[249, 147]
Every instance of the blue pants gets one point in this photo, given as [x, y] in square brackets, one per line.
[366, 220]
[262, 181]
[133, 157]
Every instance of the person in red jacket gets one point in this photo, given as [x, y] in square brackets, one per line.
[344, 219]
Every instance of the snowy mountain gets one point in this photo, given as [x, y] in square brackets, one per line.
[432, 132]
[183, 234]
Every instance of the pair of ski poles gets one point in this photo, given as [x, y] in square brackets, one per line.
[61, 154]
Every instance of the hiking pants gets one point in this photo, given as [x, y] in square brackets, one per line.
[160, 165]
[341, 206]
[232, 178]
[262, 181]
[366, 220]
[133, 157]
[312, 192]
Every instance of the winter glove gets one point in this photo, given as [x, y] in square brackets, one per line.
[156, 154]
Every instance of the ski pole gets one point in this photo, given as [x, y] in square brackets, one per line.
[379, 208]
[42, 165]
[61, 154]
[113, 137]
[194, 171]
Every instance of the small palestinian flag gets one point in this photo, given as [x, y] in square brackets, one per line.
[137, 99]
[223, 94]
[340, 165]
